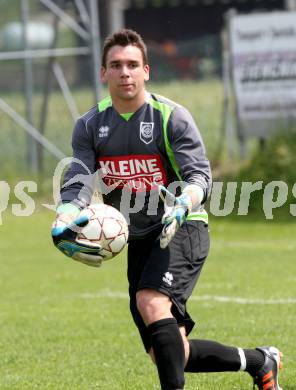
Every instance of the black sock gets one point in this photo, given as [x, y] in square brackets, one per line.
[210, 356]
[169, 353]
[254, 360]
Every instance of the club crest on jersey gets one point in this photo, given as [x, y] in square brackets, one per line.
[146, 132]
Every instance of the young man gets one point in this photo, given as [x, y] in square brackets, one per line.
[143, 142]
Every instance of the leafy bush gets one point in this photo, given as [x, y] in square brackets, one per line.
[276, 161]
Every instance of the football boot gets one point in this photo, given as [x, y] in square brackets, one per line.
[267, 377]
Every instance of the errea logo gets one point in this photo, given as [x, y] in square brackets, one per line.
[104, 131]
[168, 278]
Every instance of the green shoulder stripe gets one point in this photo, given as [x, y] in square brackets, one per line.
[166, 111]
[104, 103]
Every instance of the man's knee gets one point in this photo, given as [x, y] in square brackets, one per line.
[152, 305]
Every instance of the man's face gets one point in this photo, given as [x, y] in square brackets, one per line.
[125, 72]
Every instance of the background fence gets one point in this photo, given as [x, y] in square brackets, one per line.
[185, 70]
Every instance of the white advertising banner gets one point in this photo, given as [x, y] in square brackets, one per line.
[263, 52]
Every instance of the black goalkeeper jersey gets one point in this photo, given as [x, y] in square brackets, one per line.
[158, 144]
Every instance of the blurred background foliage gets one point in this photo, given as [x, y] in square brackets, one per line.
[276, 161]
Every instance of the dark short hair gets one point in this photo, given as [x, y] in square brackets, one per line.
[124, 37]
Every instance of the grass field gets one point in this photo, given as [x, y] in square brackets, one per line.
[67, 326]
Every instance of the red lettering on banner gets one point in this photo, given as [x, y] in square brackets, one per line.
[136, 172]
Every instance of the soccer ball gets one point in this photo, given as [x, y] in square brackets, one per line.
[107, 227]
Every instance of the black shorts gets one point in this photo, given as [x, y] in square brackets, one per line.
[173, 271]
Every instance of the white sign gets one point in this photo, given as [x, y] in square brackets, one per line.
[263, 48]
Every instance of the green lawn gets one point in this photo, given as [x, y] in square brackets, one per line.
[64, 325]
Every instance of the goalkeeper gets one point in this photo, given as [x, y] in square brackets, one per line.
[144, 143]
